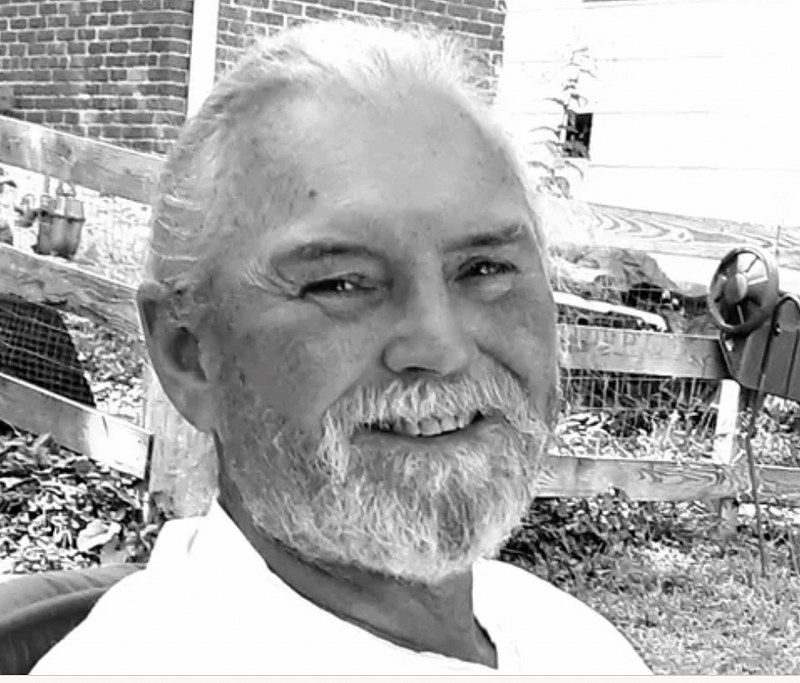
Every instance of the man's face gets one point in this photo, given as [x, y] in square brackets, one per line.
[388, 364]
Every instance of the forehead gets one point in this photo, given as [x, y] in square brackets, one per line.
[417, 165]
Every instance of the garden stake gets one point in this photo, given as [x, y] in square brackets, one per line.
[756, 404]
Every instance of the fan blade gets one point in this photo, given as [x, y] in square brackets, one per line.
[752, 263]
[718, 287]
[757, 289]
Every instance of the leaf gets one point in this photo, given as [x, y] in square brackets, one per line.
[95, 534]
[112, 553]
[9, 483]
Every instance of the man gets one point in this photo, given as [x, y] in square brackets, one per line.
[348, 291]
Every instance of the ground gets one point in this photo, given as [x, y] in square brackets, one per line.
[689, 604]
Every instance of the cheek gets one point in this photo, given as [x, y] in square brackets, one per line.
[299, 372]
[520, 331]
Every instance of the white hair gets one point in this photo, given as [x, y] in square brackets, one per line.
[214, 173]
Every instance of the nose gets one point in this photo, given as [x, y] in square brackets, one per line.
[430, 338]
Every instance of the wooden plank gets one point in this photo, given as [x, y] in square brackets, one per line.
[727, 423]
[111, 441]
[670, 234]
[638, 352]
[662, 480]
[48, 280]
[640, 479]
[89, 163]
[51, 281]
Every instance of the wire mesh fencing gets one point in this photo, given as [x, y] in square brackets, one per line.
[66, 353]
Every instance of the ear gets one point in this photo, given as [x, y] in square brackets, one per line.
[177, 357]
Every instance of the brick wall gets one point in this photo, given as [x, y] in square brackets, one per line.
[480, 22]
[114, 70]
[117, 70]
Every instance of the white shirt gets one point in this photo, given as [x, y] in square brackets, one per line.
[208, 604]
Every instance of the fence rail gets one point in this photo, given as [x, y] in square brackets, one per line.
[132, 175]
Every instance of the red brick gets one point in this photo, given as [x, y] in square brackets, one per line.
[271, 18]
[140, 46]
[174, 61]
[118, 46]
[18, 24]
[179, 5]
[373, 9]
[169, 45]
[77, 19]
[285, 7]
[463, 11]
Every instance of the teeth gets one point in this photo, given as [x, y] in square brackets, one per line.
[410, 428]
[448, 424]
[430, 426]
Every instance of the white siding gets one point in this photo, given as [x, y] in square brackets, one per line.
[695, 100]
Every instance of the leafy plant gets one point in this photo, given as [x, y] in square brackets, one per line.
[559, 142]
[579, 541]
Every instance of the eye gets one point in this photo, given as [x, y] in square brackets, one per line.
[338, 286]
[487, 268]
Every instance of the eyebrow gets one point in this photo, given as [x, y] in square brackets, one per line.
[323, 248]
[513, 234]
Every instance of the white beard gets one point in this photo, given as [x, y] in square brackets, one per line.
[416, 515]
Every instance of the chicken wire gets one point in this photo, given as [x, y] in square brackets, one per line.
[618, 414]
[64, 353]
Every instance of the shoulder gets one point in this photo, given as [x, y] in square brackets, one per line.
[543, 618]
[123, 615]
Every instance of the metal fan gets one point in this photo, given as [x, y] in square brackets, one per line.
[744, 291]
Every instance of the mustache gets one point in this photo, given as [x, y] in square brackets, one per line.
[497, 393]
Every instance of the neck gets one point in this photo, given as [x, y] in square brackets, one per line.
[423, 618]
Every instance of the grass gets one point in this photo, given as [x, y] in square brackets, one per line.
[690, 606]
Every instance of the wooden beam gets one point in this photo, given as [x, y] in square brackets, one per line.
[671, 234]
[108, 440]
[637, 352]
[663, 480]
[49, 280]
[96, 165]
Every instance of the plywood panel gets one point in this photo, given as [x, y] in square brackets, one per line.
[108, 440]
[96, 165]
[767, 197]
[47, 280]
[660, 480]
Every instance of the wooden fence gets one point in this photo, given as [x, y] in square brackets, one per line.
[138, 451]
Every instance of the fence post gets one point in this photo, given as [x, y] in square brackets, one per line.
[725, 450]
[183, 464]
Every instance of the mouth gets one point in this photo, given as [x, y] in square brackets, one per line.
[428, 427]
